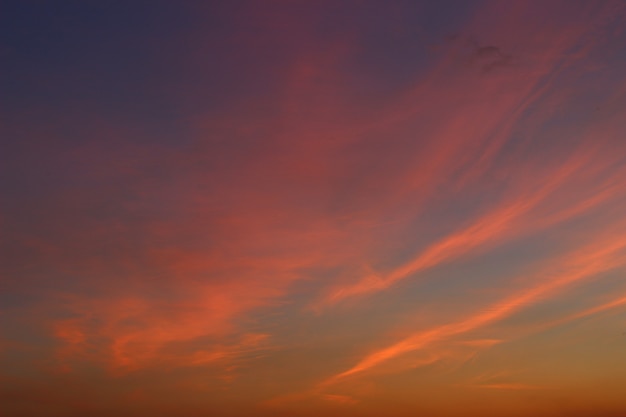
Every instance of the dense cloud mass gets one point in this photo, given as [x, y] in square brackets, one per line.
[295, 208]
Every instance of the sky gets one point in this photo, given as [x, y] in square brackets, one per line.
[302, 208]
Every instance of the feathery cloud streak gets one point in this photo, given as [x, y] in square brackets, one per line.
[242, 199]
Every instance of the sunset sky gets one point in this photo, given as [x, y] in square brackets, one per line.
[304, 208]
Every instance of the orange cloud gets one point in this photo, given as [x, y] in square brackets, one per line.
[462, 142]
[321, 171]
[579, 265]
[505, 221]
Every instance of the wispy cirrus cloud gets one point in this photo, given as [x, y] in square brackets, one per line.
[423, 195]
[601, 256]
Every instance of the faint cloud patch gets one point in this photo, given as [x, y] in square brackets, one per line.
[490, 57]
[487, 57]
